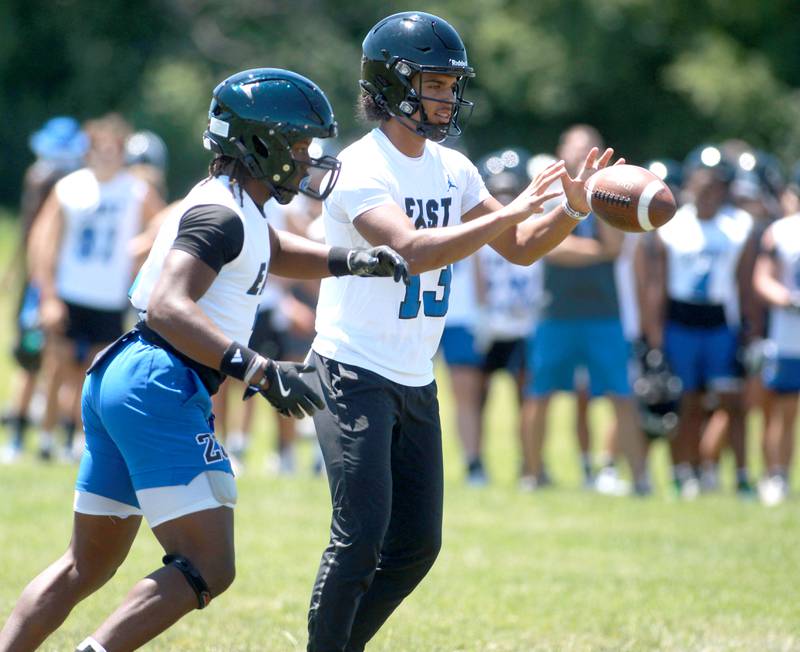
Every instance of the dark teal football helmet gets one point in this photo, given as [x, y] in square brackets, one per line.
[396, 50]
[257, 115]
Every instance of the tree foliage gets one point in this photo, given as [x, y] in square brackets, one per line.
[656, 77]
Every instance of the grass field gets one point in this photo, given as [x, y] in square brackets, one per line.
[561, 570]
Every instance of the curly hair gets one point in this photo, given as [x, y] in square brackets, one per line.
[369, 110]
[231, 167]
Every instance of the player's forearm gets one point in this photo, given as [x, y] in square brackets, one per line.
[576, 251]
[181, 322]
[298, 257]
[772, 291]
[535, 237]
[429, 249]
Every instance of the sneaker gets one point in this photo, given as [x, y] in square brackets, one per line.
[476, 474]
[773, 490]
[689, 489]
[530, 483]
[608, 483]
[709, 480]
[46, 446]
[745, 490]
[10, 454]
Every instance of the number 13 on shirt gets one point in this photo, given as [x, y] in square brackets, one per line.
[433, 306]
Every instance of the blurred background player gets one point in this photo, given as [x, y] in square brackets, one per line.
[580, 309]
[777, 281]
[83, 266]
[59, 147]
[697, 312]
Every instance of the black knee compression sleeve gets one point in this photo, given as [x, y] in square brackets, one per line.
[193, 577]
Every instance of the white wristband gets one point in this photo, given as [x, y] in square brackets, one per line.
[575, 215]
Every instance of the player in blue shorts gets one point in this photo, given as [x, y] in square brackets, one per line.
[697, 261]
[580, 327]
[150, 444]
[777, 280]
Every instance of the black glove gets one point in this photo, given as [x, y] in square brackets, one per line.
[287, 391]
[378, 261]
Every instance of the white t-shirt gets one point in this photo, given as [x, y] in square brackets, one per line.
[513, 295]
[784, 325]
[232, 298]
[95, 264]
[702, 256]
[463, 309]
[377, 324]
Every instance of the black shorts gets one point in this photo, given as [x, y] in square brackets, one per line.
[505, 354]
[90, 326]
[266, 339]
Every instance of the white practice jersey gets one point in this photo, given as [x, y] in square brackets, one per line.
[702, 256]
[784, 325]
[233, 297]
[95, 265]
[626, 287]
[513, 295]
[463, 309]
[377, 324]
[273, 290]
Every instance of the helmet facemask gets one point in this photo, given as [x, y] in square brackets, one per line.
[410, 75]
[277, 168]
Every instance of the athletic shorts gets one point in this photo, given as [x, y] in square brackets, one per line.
[90, 326]
[782, 374]
[148, 423]
[562, 346]
[505, 354]
[458, 347]
[266, 339]
[703, 358]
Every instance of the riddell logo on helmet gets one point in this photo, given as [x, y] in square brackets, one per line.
[458, 62]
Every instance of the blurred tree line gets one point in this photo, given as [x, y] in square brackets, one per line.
[656, 76]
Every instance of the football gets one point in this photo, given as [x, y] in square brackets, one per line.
[630, 198]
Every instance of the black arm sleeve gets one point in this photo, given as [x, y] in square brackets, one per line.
[212, 233]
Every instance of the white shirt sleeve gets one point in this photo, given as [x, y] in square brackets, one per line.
[357, 191]
[475, 190]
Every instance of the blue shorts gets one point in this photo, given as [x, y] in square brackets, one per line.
[148, 423]
[458, 347]
[563, 345]
[782, 375]
[703, 358]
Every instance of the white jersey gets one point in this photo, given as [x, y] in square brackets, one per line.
[784, 325]
[702, 256]
[463, 309]
[626, 287]
[377, 324]
[95, 264]
[233, 297]
[513, 295]
[273, 291]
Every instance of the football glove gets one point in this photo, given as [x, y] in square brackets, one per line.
[378, 261]
[286, 391]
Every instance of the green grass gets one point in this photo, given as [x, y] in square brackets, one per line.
[560, 570]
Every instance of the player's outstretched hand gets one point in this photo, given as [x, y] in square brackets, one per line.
[533, 198]
[378, 261]
[574, 190]
[288, 393]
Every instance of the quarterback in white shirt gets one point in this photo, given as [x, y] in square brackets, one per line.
[379, 431]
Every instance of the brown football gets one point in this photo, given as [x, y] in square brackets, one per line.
[630, 198]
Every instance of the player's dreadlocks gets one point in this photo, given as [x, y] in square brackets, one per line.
[231, 167]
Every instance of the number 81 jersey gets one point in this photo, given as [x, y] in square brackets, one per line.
[377, 324]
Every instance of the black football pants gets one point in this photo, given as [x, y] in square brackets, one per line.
[382, 446]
